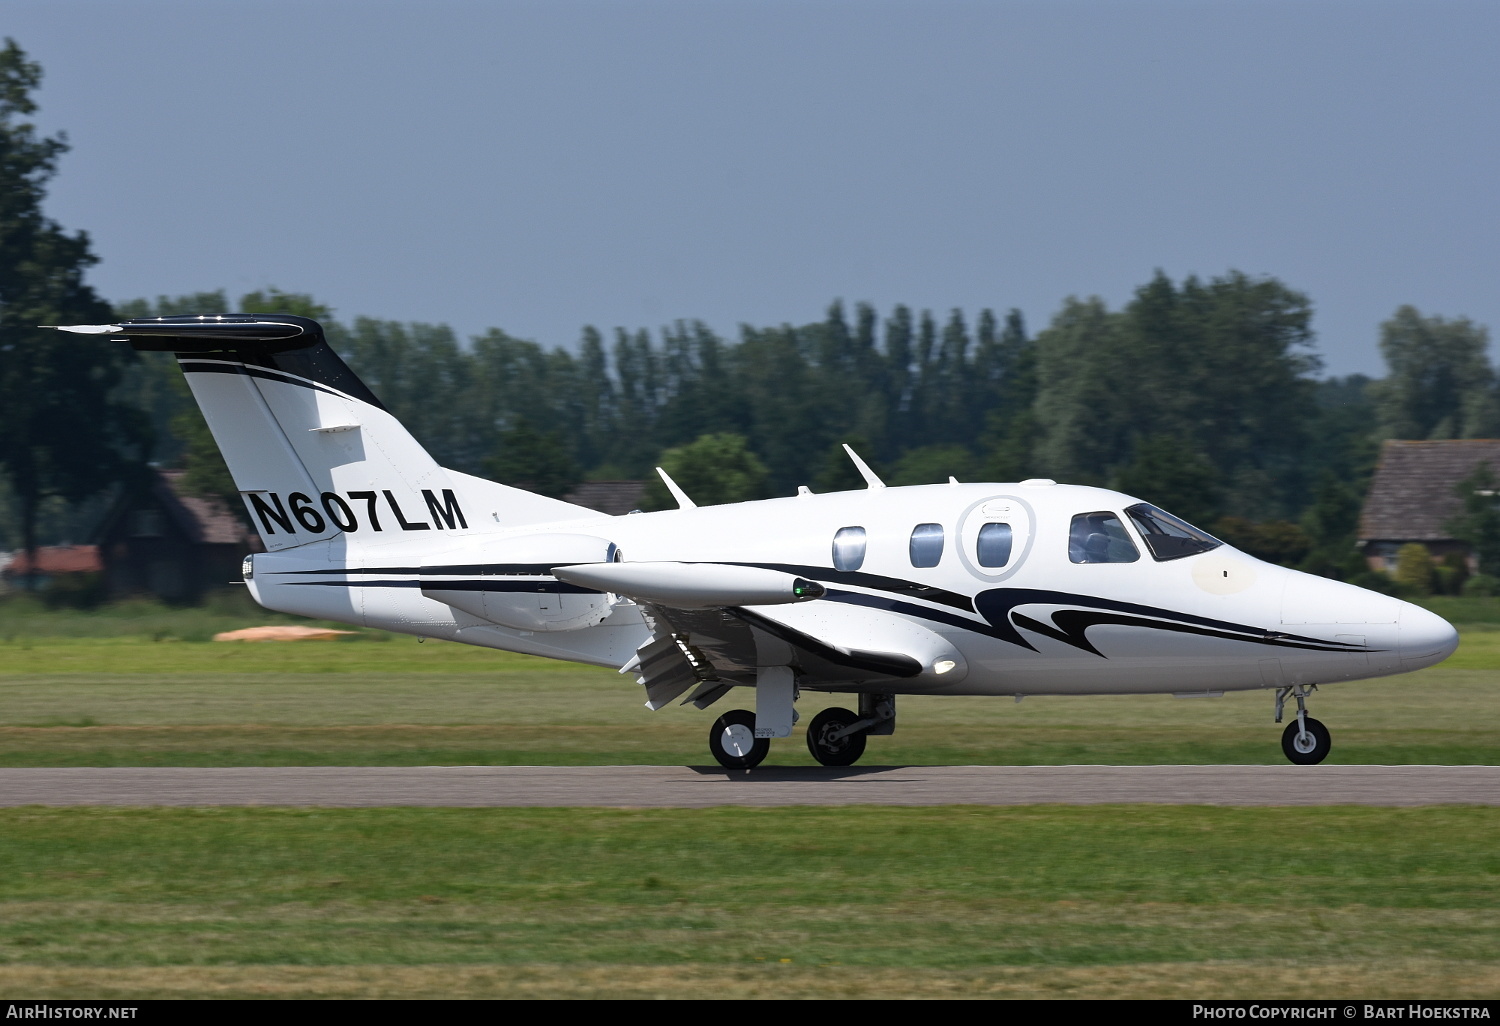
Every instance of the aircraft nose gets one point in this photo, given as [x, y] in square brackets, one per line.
[1426, 639]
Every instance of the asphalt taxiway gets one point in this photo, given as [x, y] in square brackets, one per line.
[702, 786]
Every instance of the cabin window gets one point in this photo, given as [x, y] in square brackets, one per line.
[1168, 537]
[849, 548]
[992, 548]
[926, 544]
[1100, 538]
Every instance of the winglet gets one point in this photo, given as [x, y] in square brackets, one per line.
[864, 469]
[683, 502]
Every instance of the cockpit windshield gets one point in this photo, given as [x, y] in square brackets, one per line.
[1168, 537]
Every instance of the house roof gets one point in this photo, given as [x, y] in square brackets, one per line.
[207, 521]
[612, 497]
[58, 559]
[200, 521]
[1411, 496]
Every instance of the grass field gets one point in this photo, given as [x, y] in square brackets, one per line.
[1129, 901]
[1185, 902]
[73, 694]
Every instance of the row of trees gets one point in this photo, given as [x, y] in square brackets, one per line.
[1197, 394]
[1201, 395]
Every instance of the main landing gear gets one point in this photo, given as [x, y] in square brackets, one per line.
[733, 741]
[833, 738]
[1305, 741]
[740, 740]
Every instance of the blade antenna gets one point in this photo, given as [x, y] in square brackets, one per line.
[871, 480]
[683, 502]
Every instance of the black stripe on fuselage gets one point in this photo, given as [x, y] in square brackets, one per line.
[517, 587]
[997, 606]
[471, 569]
[1070, 626]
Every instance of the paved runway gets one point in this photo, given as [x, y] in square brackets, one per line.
[698, 787]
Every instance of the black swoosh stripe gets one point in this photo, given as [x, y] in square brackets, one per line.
[199, 367]
[1069, 626]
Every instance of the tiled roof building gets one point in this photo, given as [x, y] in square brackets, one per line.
[613, 497]
[1412, 498]
[173, 546]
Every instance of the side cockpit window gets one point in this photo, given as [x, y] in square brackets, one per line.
[1100, 538]
[849, 548]
[1168, 537]
[926, 545]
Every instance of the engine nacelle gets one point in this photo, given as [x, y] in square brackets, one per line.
[512, 585]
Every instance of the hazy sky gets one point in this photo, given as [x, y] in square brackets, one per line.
[540, 166]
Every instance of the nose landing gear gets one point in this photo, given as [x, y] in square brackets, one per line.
[1305, 741]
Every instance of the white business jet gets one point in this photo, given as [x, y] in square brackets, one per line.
[1021, 589]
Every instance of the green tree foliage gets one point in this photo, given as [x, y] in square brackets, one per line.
[711, 469]
[1453, 573]
[1478, 521]
[838, 473]
[933, 464]
[153, 384]
[63, 431]
[1330, 524]
[1171, 474]
[1221, 366]
[538, 461]
[1414, 570]
[274, 301]
[1440, 384]
[1275, 541]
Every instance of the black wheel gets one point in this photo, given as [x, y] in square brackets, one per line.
[843, 752]
[733, 741]
[1307, 749]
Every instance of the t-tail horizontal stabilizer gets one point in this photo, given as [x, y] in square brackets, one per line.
[313, 451]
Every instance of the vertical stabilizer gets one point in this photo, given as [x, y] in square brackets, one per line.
[312, 450]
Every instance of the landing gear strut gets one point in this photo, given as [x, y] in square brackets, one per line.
[1305, 741]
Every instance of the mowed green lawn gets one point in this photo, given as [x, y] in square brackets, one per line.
[1128, 901]
[736, 902]
[132, 700]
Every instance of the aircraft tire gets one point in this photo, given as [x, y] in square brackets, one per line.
[733, 742]
[1302, 754]
[843, 752]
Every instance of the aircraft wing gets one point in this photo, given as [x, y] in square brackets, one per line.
[713, 625]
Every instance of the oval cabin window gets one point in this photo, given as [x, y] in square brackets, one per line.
[992, 548]
[926, 545]
[849, 548]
